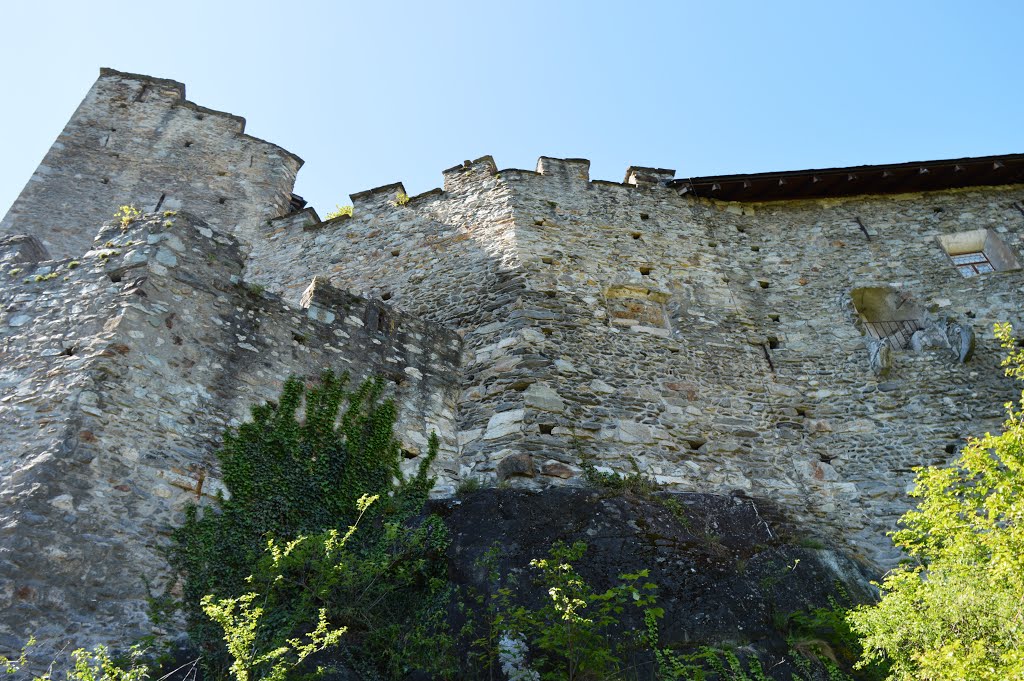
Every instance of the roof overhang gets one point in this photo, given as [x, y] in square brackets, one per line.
[896, 178]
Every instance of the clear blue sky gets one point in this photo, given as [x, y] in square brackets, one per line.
[370, 93]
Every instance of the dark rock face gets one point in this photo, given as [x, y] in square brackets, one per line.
[727, 567]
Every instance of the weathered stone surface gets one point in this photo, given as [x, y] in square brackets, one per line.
[21, 248]
[119, 374]
[879, 356]
[516, 465]
[136, 140]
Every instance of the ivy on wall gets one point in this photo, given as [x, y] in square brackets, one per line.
[291, 472]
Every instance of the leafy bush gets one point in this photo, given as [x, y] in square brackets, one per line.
[87, 665]
[954, 612]
[291, 478]
[575, 634]
[259, 640]
[126, 215]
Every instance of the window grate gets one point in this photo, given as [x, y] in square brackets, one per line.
[897, 330]
[972, 264]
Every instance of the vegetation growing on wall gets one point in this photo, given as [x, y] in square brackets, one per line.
[338, 212]
[293, 479]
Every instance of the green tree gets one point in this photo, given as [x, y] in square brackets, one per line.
[956, 611]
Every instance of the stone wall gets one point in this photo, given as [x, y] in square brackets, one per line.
[715, 345]
[136, 140]
[119, 372]
[537, 320]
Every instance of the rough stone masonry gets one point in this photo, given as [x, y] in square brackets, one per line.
[810, 341]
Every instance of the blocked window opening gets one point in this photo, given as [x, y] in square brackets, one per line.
[888, 313]
[636, 305]
[979, 251]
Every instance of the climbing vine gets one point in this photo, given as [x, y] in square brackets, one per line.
[294, 472]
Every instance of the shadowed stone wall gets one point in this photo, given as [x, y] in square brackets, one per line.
[118, 373]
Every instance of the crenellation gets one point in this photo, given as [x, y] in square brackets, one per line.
[564, 169]
[469, 174]
[378, 198]
[645, 177]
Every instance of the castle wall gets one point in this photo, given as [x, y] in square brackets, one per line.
[718, 346]
[537, 320]
[136, 140]
[118, 373]
[715, 345]
[405, 253]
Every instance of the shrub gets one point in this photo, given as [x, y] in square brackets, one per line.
[954, 611]
[288, 478]
[126, 215]
[575, 634]
[338, 212]
[87, 665]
